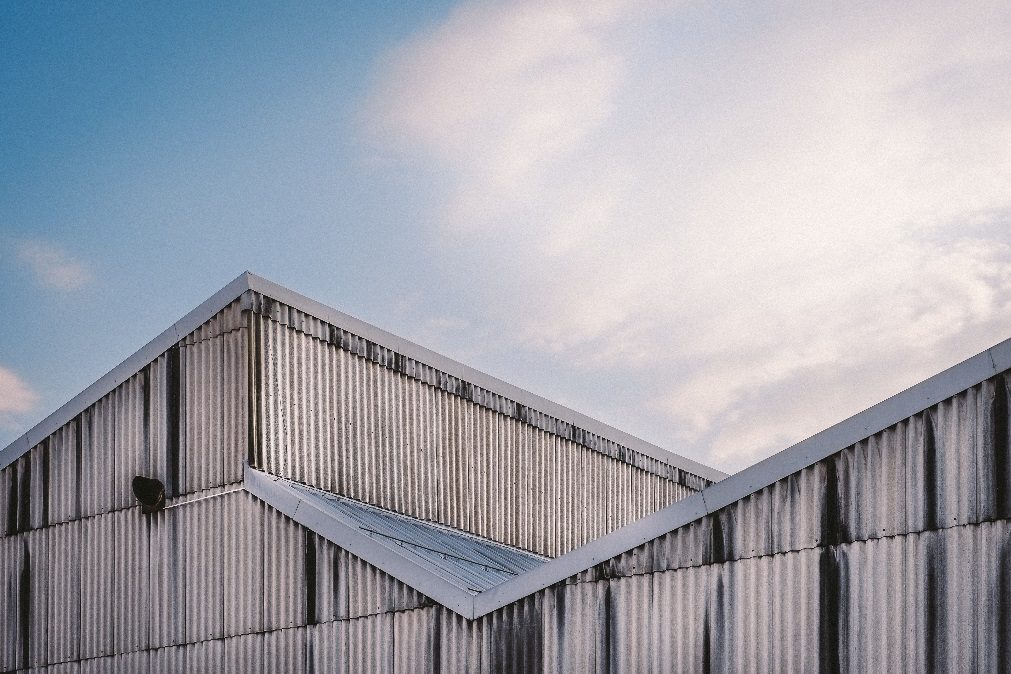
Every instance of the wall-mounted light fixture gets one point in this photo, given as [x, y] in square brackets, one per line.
[150, 492]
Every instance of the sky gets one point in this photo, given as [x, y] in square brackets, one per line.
[721, 227]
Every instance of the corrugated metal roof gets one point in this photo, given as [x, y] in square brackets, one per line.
[470, 562]
[397, 543]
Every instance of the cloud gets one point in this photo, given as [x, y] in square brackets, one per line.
[54, 267]
[16, 397]
[761, 220]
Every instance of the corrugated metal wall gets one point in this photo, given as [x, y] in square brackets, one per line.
[349, 416]
[185, 587]
[892, 555]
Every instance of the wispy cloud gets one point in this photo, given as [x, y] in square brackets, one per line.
[16, 397]
[53, 267]
[764, 221]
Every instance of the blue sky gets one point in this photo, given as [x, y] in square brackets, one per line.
[721, 227]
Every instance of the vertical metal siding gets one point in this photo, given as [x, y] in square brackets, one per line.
[283, 577]
[64, 596]
[370, 644]
[128, 555]
[202, 548]
[124, 663]
[244, 654]
[414, 641]
[168, 578]
[339, 421]
[243, 534]
[327, 648]
[284, 651]
[98, 552]
[63, 488]
[576, 635]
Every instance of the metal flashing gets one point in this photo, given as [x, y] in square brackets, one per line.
[434, 559]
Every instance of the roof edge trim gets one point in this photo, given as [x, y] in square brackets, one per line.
[274, 492]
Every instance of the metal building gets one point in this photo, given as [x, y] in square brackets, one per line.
[325, 496]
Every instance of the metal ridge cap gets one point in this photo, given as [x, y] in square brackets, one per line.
[272, 490]
[473, 376]
[874, 419]
[126, 369]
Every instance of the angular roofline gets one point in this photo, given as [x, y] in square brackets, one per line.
[834, 439]
[249, 281]
[874, 419]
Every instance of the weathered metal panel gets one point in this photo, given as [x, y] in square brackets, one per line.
[85, 466]
[202, 450]
[344, 586]
[930, 601]
[168, 578]
[97, 456]
[415, 638]
[284, 573]
[122, 663]
[576, 628]
[98, 552]
[64, 596]
[202, 548]
[242, 558]
[941, 468]
[63, 484]
[327, 647]
[244, 654]
[10, 570]
[338, 420]
[285, 651]
[993, 609]
[460, 642]
[331, 580]
[131, 582]
[129, 437]
[370, 644]
[204, 656]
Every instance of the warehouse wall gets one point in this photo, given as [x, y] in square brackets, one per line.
[899, 559]
[344, 414]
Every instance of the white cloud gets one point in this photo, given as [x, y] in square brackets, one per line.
[765, 222]
[54, 267]
[16, 397]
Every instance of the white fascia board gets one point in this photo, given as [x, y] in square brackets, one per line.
[129, 367]
[280, 496]
[470, 375]
[887, 413]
